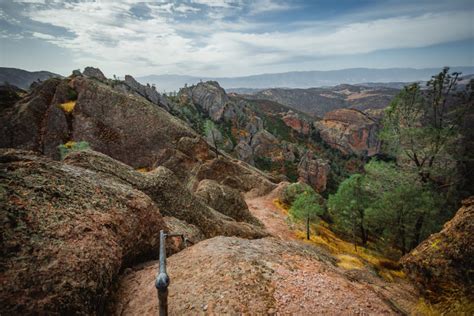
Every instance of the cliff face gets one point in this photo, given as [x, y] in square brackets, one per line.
[314, 171]
[350, 131]
[442, 264]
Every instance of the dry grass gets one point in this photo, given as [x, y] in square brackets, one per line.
[350, 258]
[68, 106]
[143, 170]
[449, 305]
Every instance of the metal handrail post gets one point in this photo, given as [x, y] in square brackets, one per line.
[162, 279]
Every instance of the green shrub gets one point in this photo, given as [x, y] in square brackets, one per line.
[71, 146]
[307, 207]
[291, 191]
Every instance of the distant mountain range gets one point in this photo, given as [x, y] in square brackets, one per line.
[380, 78]
[317, 102]
[305, 79]
[23, 78]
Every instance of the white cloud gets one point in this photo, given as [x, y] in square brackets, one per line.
[43, 36]
[107, 35]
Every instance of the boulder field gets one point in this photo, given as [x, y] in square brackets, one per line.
[69, 228]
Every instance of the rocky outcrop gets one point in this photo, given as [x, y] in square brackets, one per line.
[127, 128]
[233, 276]
[314, 171]
[94, 73]
[235, 174]
[33, 123]
[148, 92]
[168, 193]
[442, 264]
[225, 200]
[264, 144]
[66, 232]
[298, 124]
[350, 131]
[210, 97]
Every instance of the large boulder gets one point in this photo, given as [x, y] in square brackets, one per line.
[233, 276]
[443, 263]
[66, 232]
[314, 171]
[225, 200]
[94, 73]
[350, 131]
[173, 199]
[235, 174]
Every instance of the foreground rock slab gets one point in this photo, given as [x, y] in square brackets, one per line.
[66, 232]
[229, 275]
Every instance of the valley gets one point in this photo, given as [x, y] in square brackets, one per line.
[291, 198]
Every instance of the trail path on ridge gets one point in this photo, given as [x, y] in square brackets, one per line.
[277, 275]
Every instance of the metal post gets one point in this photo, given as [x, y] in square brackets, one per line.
[162, 279]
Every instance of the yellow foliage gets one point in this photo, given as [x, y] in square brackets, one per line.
[69, 144]
[68, 106]
[348, 256]
[142, 170]
[280, 206]
[349, 262]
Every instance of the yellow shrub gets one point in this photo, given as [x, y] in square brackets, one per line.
[69, 144]
[68, 106]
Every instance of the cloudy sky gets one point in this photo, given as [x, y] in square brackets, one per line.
[234, 37]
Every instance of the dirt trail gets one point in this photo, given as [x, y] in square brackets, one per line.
[278, 276]
[274, 218]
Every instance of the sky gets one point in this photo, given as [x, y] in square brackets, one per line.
[226, 38]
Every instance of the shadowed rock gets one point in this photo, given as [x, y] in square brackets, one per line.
[66, 233]
[442, 264]
[225, 200]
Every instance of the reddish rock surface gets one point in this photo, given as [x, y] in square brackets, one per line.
[350, 131]
[314, 171]
[297, 123]
[443, 263]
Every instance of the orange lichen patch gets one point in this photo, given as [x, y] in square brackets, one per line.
[68, 106]
[143, 170]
